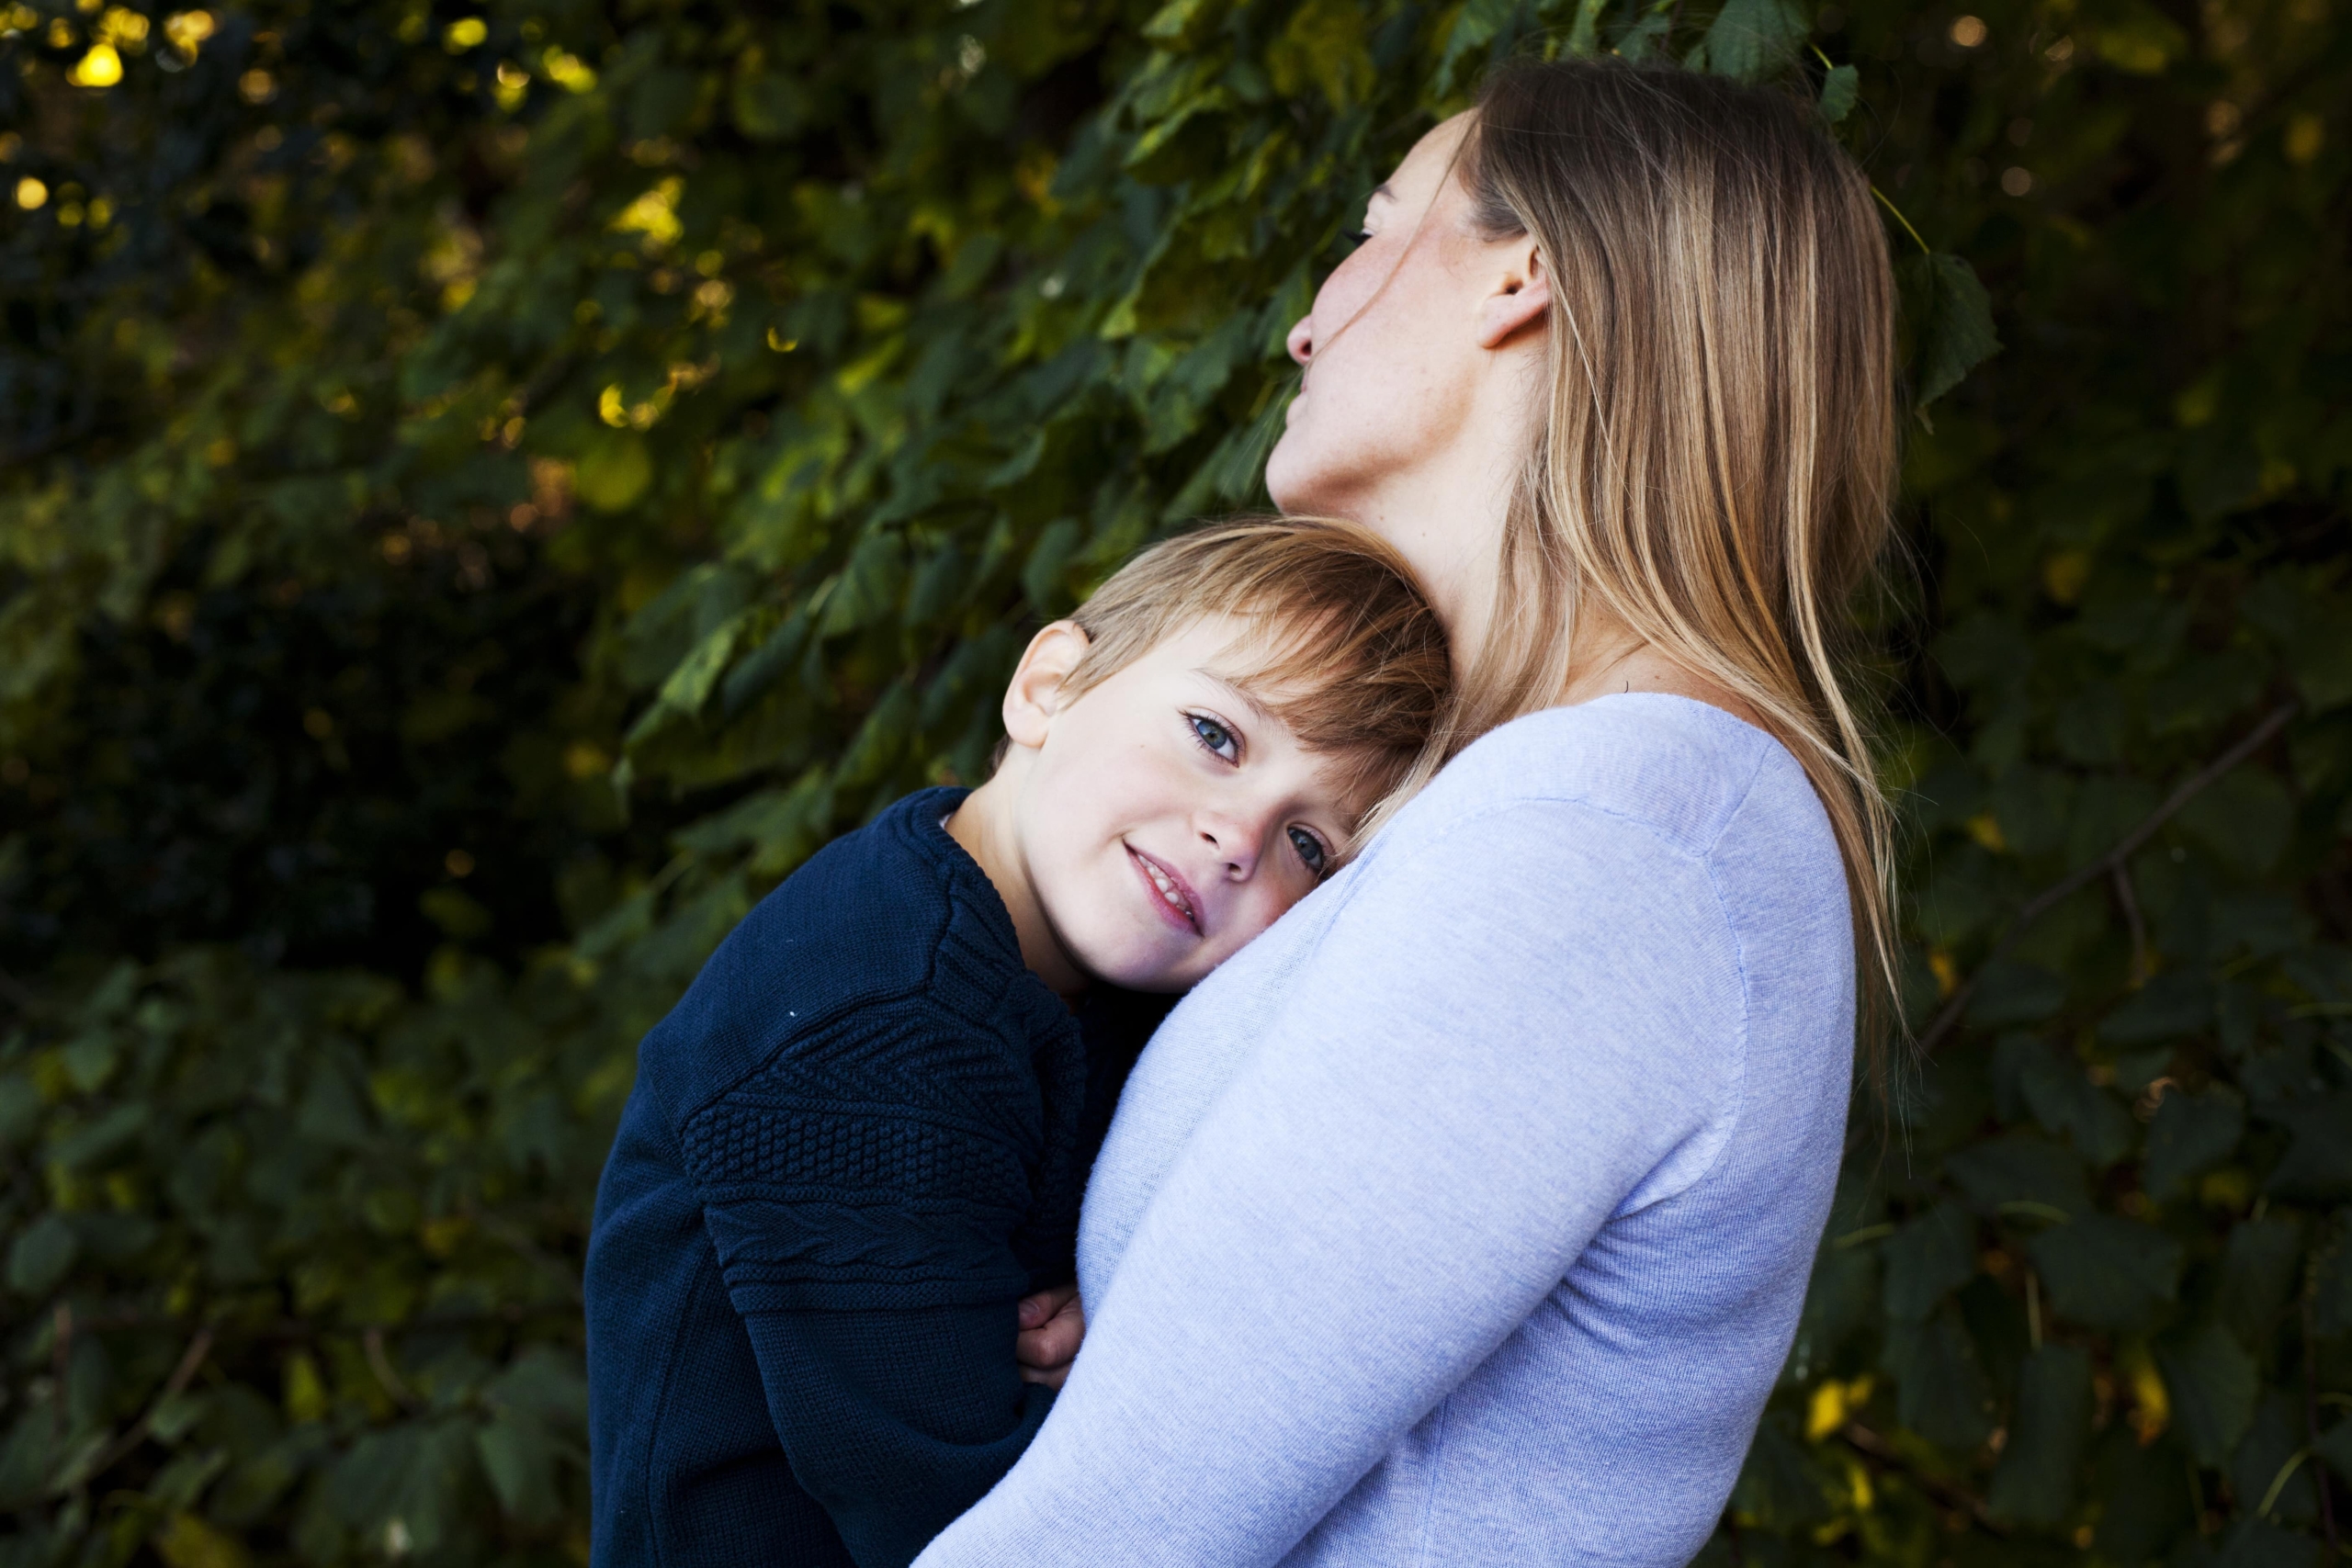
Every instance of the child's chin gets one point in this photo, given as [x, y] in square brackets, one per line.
[1133, 972]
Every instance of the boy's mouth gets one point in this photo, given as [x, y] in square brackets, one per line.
[1174, 897]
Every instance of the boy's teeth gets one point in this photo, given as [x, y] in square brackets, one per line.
[1168, 890]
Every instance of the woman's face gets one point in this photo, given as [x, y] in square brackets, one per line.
[1413, 409]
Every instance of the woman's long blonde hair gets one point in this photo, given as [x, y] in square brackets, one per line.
[1715, 466]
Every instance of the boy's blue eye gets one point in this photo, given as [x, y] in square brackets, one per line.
[1215, 737]
[1310, 849]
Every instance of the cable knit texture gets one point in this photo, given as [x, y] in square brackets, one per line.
[851, 1148]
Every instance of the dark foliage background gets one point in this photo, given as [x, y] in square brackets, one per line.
[487, 489]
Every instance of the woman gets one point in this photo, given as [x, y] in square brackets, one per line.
[1467, 1217]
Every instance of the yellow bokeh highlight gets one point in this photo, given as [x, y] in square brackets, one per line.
[32, 194]
[1946, 972]
[464, 33]
[102, 67]
[2151, 1402]
[187, 1541]
[566, 71]
[2064, 574]
[2306, 134]
[1986, 830]
[123, 27]
[654, 215]
[1831, 1405]
[306, 1391]
[187, 29]
[513, 82]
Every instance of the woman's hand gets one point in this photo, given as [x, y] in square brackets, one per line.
[1052, 1323]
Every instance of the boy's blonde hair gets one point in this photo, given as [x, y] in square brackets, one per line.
[1347, 651]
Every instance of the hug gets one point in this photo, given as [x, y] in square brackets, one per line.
[1502, 821]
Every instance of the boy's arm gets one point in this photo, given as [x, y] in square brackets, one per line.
[864, 1222]
[895, 1419]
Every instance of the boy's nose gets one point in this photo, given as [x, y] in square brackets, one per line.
[1235, 847]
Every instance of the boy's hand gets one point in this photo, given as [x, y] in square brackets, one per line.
[1052, 1323]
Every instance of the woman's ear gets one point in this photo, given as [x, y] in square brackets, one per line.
[1035, 694]
[1522, 295]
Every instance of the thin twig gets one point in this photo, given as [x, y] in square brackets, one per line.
[122, 1446]
[61, 1359]
[1860, 1438]
[2311, 1425]
[381, 1365]
[1886, 201]
[2125, 896]
[2107, 864]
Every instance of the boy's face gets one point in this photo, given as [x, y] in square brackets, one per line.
[1164, 818]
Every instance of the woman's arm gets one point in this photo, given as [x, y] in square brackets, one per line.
[1505, 1035]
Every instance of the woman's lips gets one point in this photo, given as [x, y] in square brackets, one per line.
[1170, 894]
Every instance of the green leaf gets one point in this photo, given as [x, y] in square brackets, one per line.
[616, 472]
[2020, 1168]
[2105, 1271]
[2065, 1100]
[2245, 817]
[2321, 659]
[1476, 25]
[2033, 1484]
[2212, 1383]
[2166, 1007]
[42, 1254]
[2317, 1164]
[1927, 1259]
[1940, 1380]
[1951, 323]
[1751, 39]
[1584, 34]
[2190, 1135]
[2143, 1497]
[1841, 85]
[521, 1464]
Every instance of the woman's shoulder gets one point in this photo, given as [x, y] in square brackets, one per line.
[1678, 770]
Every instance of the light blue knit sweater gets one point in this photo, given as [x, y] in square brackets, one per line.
[1464, 1217]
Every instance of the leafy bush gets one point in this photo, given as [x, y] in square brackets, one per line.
[488, 491]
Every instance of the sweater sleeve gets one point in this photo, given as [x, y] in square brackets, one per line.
[866, 1208]
[1522, 1023]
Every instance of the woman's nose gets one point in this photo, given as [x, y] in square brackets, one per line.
[1301, 341]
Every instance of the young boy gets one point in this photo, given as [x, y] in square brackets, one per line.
[861, 1137]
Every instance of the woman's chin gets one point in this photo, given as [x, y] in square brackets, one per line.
[1290, 476]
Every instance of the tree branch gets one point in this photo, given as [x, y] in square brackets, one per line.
[2113, 864]
[121, 1448]
[1861, 1438]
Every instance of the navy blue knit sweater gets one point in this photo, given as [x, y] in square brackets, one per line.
[854, 1145]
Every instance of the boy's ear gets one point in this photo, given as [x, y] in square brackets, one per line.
[1034, 695]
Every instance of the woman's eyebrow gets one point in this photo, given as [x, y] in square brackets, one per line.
[1383, 191]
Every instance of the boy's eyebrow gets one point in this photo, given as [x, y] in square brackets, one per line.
[1258, 710]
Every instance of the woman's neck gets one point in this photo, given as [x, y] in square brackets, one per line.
[1611, 660]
